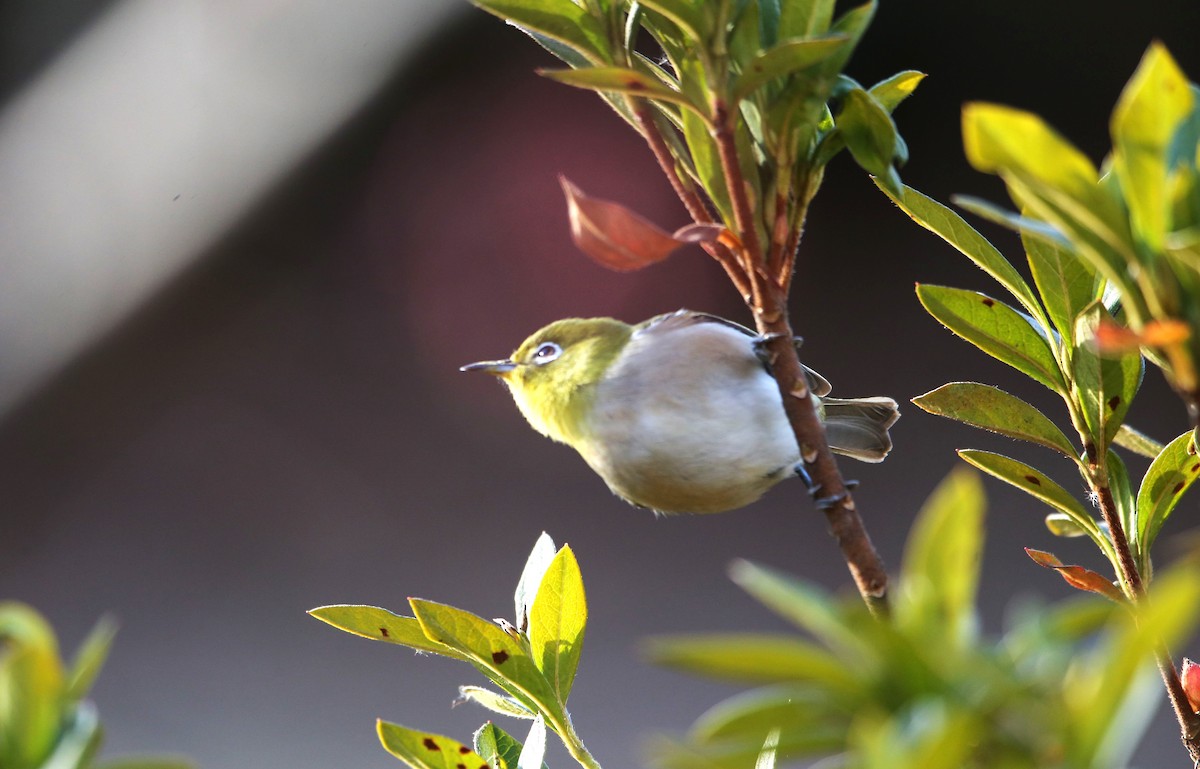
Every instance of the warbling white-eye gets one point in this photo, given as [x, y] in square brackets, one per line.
[680, 413]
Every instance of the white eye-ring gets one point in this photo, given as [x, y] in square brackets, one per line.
[546, 352]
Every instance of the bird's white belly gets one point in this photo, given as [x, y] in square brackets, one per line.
[676, 437]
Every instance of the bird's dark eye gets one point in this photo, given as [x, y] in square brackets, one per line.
[546, 352]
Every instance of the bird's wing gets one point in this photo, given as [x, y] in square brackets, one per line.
[673, 321]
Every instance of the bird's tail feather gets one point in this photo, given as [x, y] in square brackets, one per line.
[858, 427]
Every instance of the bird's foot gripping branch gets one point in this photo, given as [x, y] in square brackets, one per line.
[743, 105]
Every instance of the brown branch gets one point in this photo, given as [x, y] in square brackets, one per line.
[688, 195]
[1189, 721]
[769, 308]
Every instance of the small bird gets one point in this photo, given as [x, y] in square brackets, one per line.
[680, 413]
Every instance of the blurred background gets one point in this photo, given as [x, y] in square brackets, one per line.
[244, 248]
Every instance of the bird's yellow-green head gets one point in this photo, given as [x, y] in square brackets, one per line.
[552, 373]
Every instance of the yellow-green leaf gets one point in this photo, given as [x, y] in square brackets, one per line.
[895, 89]
[501, 657]
[750, 657]
[1105, 383]
[381, 625]
[784, 59]
[557, 622]
[561, 20]
[426, 750]
[499, 748]
[1066, 282]
[1155, 101]
[990, 408]
[619, 80]
[1168, 477]
[995, 328]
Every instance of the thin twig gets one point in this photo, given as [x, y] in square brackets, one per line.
[770, 315]
[1189, 721]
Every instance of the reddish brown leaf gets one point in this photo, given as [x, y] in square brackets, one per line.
[1077, 576]
[1086, 579]
[1042, 558]
[1190, 676]
[612, 234]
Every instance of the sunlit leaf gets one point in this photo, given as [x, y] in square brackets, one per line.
[560, 20]
[32, 684]
[531, 576]
[426, 750]
[993, 409]
[805, 18]
[534, 750]
[1170, 475]
[1152, 106]
[995, 328]
[557, 622]
[498, 655]
[753, 713]
[494, 701]
[381, 625]
[869, 133]
[895, 89]
[1063, 525]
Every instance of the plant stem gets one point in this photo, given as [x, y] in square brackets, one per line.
[769, 307]
[575, 746]
[1189, 721]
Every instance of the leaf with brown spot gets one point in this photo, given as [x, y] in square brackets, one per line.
[1035, 483]
[613, 235]
[381, 625]
[990, 408]
[1104, 383]
[424, 750]
[1167, 478]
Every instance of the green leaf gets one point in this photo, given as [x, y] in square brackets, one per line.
[869, 132]
[381, 625]
[708, 162]
[1122, 493]
[534, 750]
[992, 409]
[1031, 481]
[1103, 386]
[1065, 281]
[753, 713]
[853, 24]
[1063, 525]
[752, 658]
[768, 22]
[32, 684]
[495, 702]
[619, 80]
[942, 557]
[806, 606]
[500, 749]
[805, 18]
[949, 226]
[557, 622]
[1001, 139]
[1168, 477]
[426, 750]
[782, 60]
[895, 89]
[531, 576]
[90, 658]
[1138, 442]
[1151, 108]
[560, 20]
[995, 328]
[690, 16]
[77, 742]
[502, 658]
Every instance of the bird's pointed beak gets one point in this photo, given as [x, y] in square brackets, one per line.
[493, 367]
